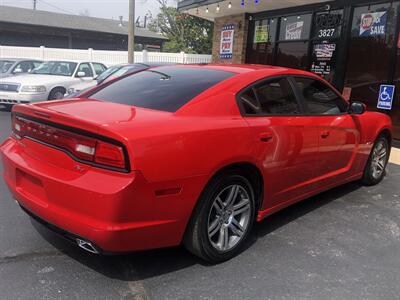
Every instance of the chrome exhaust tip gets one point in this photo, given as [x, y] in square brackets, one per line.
[87, 246]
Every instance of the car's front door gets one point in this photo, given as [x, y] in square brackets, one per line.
[338, 133]
[284, 142]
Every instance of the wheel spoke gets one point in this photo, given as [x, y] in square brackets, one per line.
[241, 207]
[382, 155]
[225, 244]
[236, 228]
[218, 205]
[223, 238]
[232, 196]
[214, 227]
[380, 166]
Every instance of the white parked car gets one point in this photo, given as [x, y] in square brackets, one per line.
[49, 81]
[17, 66]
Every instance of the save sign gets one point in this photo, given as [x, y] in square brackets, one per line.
[226, 48]
[373, 24]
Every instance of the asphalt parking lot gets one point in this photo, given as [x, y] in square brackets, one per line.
[343, 244]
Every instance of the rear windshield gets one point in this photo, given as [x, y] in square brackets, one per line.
[163, 88]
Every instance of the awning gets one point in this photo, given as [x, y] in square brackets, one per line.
[211, 9]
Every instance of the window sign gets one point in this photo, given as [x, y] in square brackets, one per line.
[373, 24]
[324, 51]
[386, 94]
[294, 30]
[324, 59]
[261, 34]
[226, 48]
[328, 25]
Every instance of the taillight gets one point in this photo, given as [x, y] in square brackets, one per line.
[108, 154]
[83, 148]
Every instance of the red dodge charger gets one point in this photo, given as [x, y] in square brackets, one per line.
[189, 154]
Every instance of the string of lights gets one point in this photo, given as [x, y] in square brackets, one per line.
[242, 4]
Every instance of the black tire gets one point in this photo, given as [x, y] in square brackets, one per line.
[6, 107]
[369, 178]
[57, 93]
[197, 239]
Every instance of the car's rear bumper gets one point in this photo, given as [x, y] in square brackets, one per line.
[71, 237]
[116, 212]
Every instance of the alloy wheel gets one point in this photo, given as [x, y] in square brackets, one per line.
[379, 159]
[229, 218]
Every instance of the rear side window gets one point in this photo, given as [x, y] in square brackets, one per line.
[99, 68]
[164, 88]
[273, 97]
[249, 102]
[319, 98]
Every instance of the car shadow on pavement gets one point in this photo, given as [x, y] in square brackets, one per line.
[153, 263]
[302, 208]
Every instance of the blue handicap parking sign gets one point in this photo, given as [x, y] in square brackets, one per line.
[386, 95]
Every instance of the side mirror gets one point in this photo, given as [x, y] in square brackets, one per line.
[80, 74]
[357, 108]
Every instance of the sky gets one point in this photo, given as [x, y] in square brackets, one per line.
[96, 8]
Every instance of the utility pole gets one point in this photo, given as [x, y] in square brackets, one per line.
[34, 4]
[131, 32]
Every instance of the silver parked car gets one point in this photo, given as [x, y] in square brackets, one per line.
[14, 66]
[49, 81]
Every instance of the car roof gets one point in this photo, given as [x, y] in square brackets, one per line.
[150, 64]
[19, 59]
[73, 61]
[247, 68]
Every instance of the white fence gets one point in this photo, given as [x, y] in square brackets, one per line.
[107, 57]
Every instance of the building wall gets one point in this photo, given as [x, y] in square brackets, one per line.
[35, 36]
[239, 38]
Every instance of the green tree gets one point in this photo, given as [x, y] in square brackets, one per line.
[185, 32]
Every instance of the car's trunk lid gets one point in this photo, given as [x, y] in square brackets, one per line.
[103, 121]
[100, 117]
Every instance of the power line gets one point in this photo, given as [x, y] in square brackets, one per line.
[56, 7]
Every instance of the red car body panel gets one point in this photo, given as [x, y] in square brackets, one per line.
[173, 156]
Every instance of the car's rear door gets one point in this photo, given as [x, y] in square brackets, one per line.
[338, 133]
[285, 144]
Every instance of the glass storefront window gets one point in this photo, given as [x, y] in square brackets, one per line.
[293, 55]
[293, 45]
[262, 42]
[295, 28]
